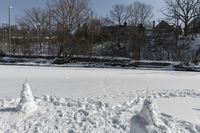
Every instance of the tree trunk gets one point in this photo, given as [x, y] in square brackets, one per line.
[186, 29]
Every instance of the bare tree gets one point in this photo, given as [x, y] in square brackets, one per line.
[106, 21]
[69, 16]
[119, 14]
[35, 23]
[140, 13]
[33, 19]
[184, 10]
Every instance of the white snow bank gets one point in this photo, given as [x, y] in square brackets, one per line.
[57, 114]
[27, 104]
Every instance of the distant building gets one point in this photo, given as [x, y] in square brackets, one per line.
[194, 26]
[122, 38]
[165, 30]
[164, 39]
[122, 31]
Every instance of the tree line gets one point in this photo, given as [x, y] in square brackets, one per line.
[70, 27]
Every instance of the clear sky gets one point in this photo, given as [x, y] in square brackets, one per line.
[101, 7]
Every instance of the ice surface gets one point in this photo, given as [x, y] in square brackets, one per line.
[90, 82]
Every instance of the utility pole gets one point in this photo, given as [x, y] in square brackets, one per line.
[9, 30]
[49, 30]
[3, 31]
[91, 33]
[38, 27]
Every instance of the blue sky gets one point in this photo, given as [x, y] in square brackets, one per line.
[101, 7]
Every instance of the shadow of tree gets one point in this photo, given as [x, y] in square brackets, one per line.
[195, 109]
[8, 110]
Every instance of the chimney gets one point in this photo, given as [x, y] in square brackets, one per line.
[154, 23]
[125, 24]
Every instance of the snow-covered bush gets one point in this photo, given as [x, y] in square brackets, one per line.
[27, 104]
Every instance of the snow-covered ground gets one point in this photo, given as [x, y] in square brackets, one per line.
[90, 82]
[96, 100]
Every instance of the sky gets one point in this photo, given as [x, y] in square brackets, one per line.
[100, 7]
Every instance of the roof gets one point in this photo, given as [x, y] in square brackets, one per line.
[165, 25]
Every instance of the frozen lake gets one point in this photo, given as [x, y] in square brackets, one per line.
[90, 82]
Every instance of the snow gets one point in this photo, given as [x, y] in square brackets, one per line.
[90, 82]
[98, 100]
[59, 114]
[188, 106]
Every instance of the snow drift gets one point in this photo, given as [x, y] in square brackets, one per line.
[65, 115]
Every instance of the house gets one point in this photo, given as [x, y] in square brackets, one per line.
[123, 30]
[119, 40]
[164, 39]
[165, 30]
[194, 26]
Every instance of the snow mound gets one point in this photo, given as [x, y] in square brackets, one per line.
[148, 119]
[27, 104]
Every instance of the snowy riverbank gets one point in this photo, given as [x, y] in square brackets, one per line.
[98, 62]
